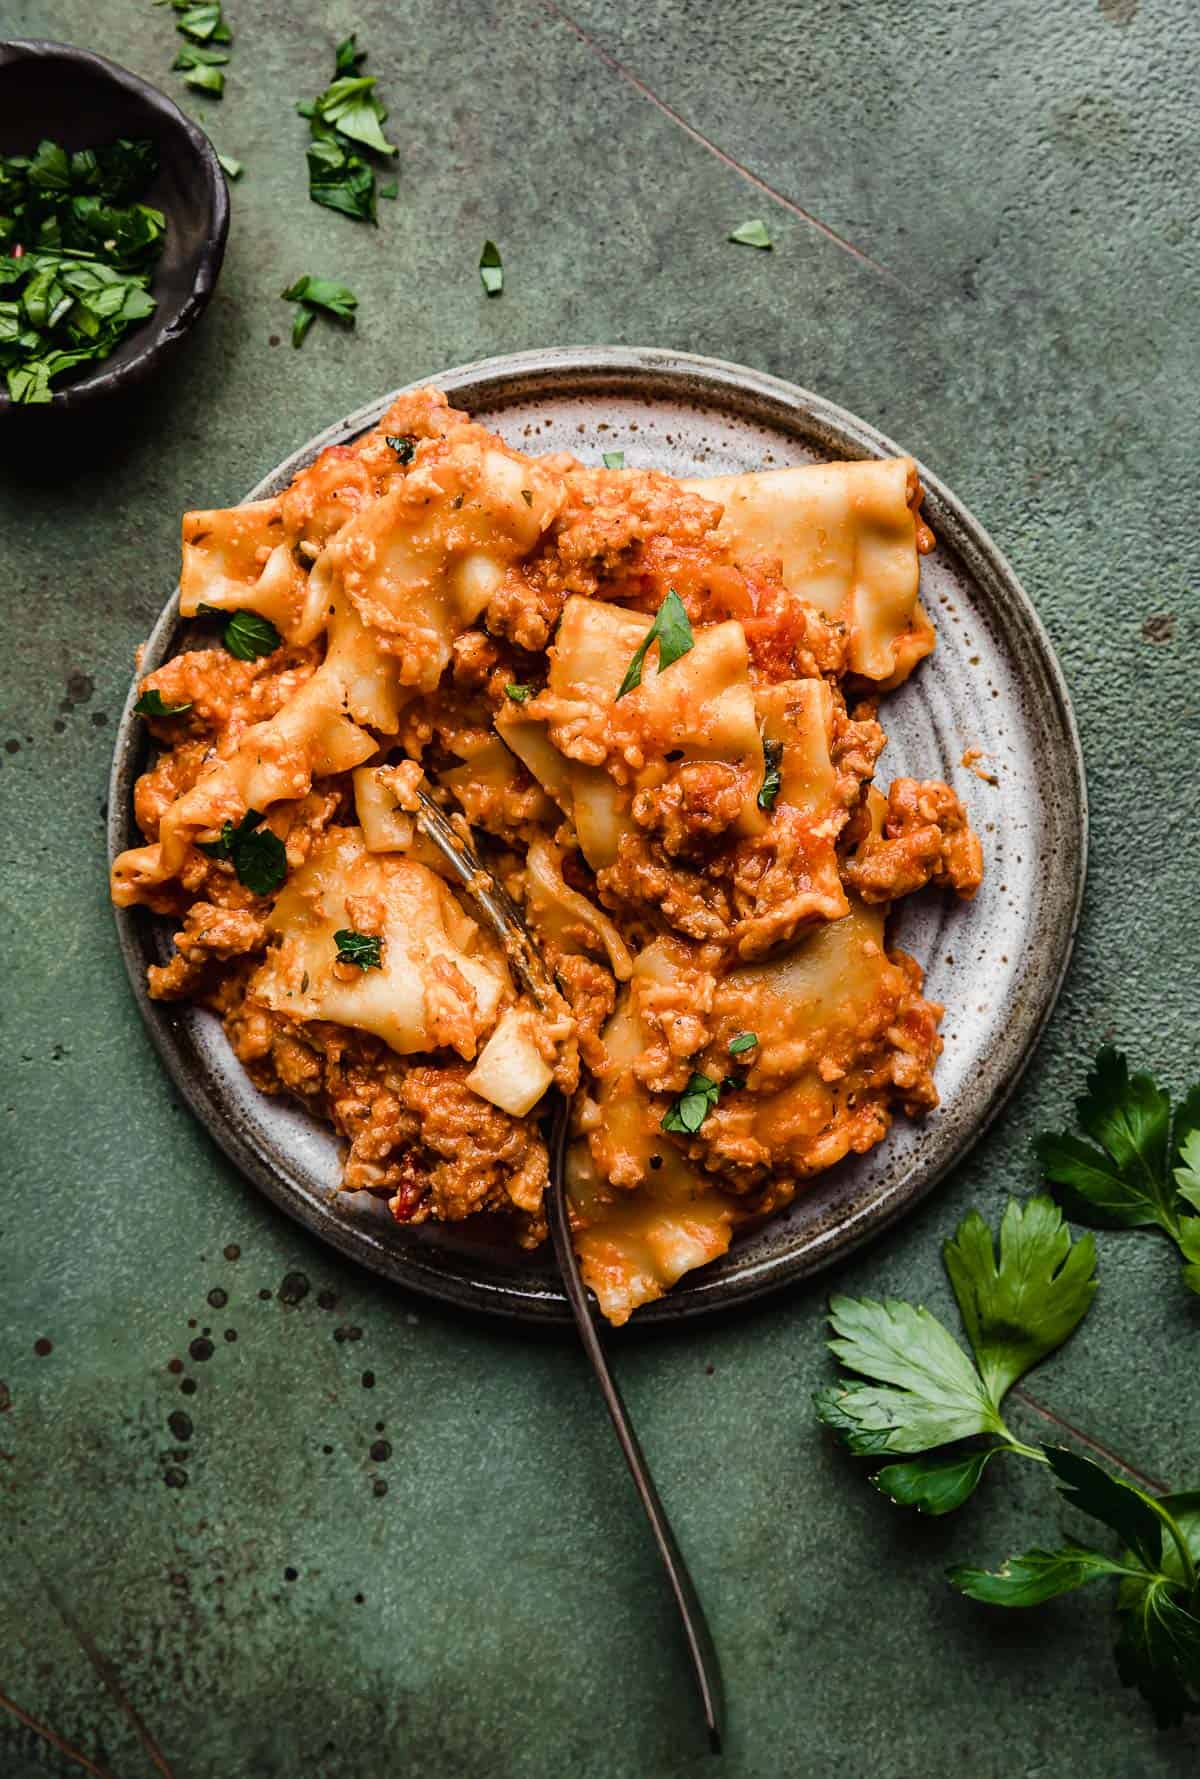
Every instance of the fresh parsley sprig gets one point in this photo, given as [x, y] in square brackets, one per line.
[672, 631]
[916, 1393]
[1158, 1600]
[1139, 1169]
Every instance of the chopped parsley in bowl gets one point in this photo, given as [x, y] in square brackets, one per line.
[113, 217]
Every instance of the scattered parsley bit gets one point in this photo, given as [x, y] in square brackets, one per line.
[343, 120]
[1136, 1171]
[247, 635]
[403, 445]
[519, 694]
[1158, 1601]
[491, 269]
[258, 856]
[315, 294]
[743, 1042]
[772, 782]
[202, 20]
[232, 167]
[152, 704]
[202, 68]
[363, 949]
[752, 234]
[389, 190]
[916, 1389]
[687, 1112]
[673, 634]
[77, 254]
[614, 460]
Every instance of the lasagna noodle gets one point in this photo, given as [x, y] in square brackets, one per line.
[846, 535]
[437, 984]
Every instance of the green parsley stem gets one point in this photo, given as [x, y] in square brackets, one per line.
[1185, 1555]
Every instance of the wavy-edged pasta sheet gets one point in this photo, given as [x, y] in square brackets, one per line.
[241, 559]
[440, 984]
[633, 1245]
[701, 708]
[398, 582]
[420, 563]
[847, 536]
[317, 732]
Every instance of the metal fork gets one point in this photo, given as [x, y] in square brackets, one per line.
[506, 921]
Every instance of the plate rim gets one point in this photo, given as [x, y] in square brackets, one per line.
[702, 381]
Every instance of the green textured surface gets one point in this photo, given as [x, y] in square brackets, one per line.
[1021, 175]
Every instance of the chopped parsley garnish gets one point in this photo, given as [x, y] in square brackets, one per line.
[77, 255]
[519, 694]
[202, 20]
[403, 445]
[772, 782]
[673, 634]
[744, 1041]
[389, 189]
[363, 949]
[232, 167]
[319, 294]
[1136, 1171]
[152, 704]
[688, 1110]
[258, 856]
[752, 234]
[202, 68]
[614, 460]
[491, 269]
[344, 120]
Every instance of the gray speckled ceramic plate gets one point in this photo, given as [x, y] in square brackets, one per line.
[993, 683]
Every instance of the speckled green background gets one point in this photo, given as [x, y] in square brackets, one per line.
[985, 217]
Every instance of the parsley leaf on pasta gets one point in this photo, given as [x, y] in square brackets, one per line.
[258, 856]
[363, 949]
[1135, 1171]
[689, 1109]
[772, 782]
[152, 704]
[743, 1042]
[672, 632]
[519, 694]
[247, 635]
[404, 445]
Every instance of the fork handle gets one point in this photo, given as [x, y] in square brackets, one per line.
[701, 1648]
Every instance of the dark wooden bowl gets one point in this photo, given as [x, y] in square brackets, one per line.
[80, 99]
